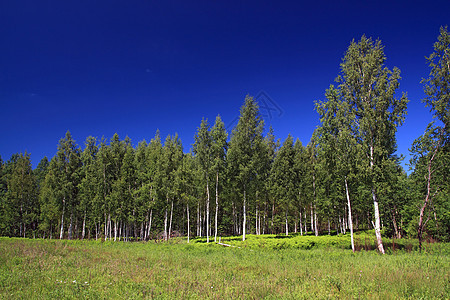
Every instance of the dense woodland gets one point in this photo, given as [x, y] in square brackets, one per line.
[346, 178]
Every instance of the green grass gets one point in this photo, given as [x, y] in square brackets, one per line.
[44, 269]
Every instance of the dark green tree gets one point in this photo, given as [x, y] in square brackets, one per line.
[22, 197]
[219, 146]
[66, 169]
[203, 151]
[242, 156]
[283, 177]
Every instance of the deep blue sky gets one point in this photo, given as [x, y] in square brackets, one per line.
[100, 67]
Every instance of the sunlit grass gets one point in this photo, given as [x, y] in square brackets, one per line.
[38, 269]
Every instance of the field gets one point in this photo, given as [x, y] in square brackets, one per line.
[262, 267]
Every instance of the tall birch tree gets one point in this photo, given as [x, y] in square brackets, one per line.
[203, 151]
[219, 138]
[370, 88]
[242, 155]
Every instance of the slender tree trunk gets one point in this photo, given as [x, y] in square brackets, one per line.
[61, 233]
[329, 227]
[375, 207]
[216, 224]
[312, 218]
[286, 219]
[428, 196]
[188, 224]
[234, 217]
[244, 219]
[256, 220]
[198, 218]
[316, 227]
[165, 225]
[301, 225]
[273, 213]
[394, 223]
[207, 210]
[171, 214]
[70, 225]
[306, 229]
[149, 224]
[264, 217]
[115, 230]
[110, 226]
[259, 223]
[350, 222]
[83, 233]
[121, 230]
[106, 226]
[377, 222]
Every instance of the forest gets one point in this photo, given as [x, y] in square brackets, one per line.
[346, 178]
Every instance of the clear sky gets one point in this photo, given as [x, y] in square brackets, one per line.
[131, 67]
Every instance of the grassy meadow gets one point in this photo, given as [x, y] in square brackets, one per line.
[271, 267]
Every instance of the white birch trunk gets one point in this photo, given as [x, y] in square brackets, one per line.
[188, 224]
[170, 223]
[217, 207]
[84, 226]
[106, 227]
[286, 219]
[256, 220]
[316, 228]
[376, 209]
[61, 233]
[301, 225]
[207, 210]
[329, 227]
[110, 226]
[149, 224]
[70, 226]
[350, 221]
[198, 218]
[115, 230]
[244, 219]
[165, 225]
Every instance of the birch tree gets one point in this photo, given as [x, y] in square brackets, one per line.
[370, 88]
[203, 151]
[245, 141]
[431, 151]
[338, 143]
[219, 145]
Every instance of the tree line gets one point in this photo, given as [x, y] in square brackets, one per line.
[245, 181]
